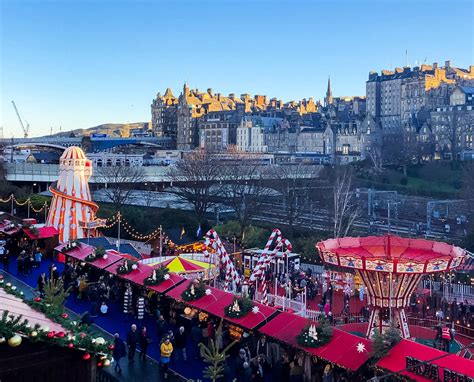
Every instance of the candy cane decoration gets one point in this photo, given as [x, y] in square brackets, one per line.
[265, 259]
[213, 241]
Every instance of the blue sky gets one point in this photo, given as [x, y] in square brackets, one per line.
[77, 64]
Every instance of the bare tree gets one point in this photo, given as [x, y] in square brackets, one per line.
[345, 209]
[119, 182]
[197, 180]
[244, 190]
[293, 182]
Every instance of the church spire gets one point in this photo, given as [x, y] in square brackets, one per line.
[328, 98]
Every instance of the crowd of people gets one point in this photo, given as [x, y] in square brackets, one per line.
[178, 337]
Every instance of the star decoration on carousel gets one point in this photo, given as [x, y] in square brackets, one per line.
[360, 347]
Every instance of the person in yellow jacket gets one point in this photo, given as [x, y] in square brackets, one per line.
[166, 349]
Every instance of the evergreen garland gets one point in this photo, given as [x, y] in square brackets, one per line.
[313, 336]
[80, 337]
[194, 291]
[127, 267]
[98, 253]
[239, 308]
[157, 276]
[71, 245]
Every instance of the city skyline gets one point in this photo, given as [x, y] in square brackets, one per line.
[81, 65]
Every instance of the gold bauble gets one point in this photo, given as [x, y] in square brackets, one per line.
[99, 341]
[106, 363]
[2, 340]
[14, 341]
[34, 333]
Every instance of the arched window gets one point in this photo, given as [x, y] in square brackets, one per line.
[127, 162]
[99, 162]
[109, 162]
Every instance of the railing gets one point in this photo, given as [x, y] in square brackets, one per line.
[450, 291]
[431, 323]
[296, 306]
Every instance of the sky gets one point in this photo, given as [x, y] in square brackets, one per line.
[79, 63]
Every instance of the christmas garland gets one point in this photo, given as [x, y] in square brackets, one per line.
[194, 291]
[98, 253]
[71, 245]
[127, 267]
[14, 328]
[239, 308]
[158, 276]
[313, 336]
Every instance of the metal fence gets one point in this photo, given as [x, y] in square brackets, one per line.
[450, 291]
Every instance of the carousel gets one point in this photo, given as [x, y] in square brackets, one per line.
[189, 265]
[390, 268]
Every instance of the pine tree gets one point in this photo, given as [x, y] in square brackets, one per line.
[55, 295]
[384, 342]
[214, 356]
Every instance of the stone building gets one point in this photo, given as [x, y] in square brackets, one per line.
[393, 96]
[262, 134]
[218, 130]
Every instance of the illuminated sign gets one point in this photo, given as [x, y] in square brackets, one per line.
[434, 372]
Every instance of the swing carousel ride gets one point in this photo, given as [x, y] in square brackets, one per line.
[391, 268]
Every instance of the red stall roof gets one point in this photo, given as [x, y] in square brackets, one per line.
[136, 276]
[175, 293]
[43, 233]
[101, 263]
[395, 360]
[166, 285]
[341, 350]
[78, 253]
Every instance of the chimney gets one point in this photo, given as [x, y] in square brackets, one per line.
[435, 65]
[447, 64]
[209, 91]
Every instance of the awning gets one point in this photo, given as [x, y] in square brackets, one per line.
[136, 276]
[166, 285]
[342, 350]
[78, 253]
[102, 263]
[43, 233]
[17, 307]
[175, 293]
[396, 360]
[202, 303]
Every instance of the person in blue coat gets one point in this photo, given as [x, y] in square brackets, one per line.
[119, 352]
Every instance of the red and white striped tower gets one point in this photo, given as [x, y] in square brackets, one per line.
[71, 201]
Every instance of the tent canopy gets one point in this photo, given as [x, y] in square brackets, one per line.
[43, 233]
[341, 350]
[395, 360]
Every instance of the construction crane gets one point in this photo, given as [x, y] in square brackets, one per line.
[26, 129]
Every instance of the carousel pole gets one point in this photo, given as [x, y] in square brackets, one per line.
[118, 231]
[45, 213]
[13, 201]
[161, 242]
[28, 204]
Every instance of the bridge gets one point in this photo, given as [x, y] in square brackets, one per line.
[89, 144]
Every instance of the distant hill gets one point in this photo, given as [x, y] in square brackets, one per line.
[111, 129]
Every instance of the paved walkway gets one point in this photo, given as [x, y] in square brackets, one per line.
[138, 371]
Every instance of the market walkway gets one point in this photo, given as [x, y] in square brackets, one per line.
[139, 371]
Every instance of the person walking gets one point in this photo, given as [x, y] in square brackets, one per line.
[119, 352]
[166, 349]
[144, 340]
[132, 341]
[447, 337]
[180, 344]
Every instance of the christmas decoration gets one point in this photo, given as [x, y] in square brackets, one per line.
[240, 307]
[384, 342]
[361, 347]
[194, 291]
[15, 341]
[86, 357]
[70, 245]
[127, 267]
[99, 253]
[313, 336]
[55, 295]
[157, 276]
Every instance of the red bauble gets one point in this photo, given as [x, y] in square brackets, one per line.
[60, 334]
[111, 347]
[70, 345]
[37, 299]
[99, 364]
[86, 357]
[82, 335]
[64, 315]
[51, 334]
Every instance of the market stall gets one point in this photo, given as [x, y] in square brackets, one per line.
[408, 354]
[344, 349]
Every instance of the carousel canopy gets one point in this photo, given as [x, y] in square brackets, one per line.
[177, 264]
[344, 349]
[396, 360]
[391, 254]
